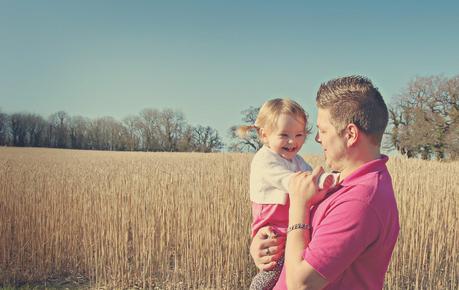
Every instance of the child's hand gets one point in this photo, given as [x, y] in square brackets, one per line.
[303, 187]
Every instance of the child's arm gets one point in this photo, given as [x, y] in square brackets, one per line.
[276, 175]
[279, 176]
[325, 181]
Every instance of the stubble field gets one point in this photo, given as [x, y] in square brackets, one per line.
[181, 220]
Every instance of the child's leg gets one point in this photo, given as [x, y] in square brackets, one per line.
[266, 280]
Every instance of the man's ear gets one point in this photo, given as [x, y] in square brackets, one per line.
[352, 134]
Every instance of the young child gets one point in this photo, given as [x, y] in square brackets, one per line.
[282, 126]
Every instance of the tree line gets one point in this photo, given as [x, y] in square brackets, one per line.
[423, 123]
[150, 130]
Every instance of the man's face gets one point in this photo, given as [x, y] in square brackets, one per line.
[333, 145]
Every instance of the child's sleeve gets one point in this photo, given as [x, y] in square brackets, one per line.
[303, 165]
[270, 178]
[277, 175]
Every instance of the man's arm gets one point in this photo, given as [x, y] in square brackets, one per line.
[300, 274]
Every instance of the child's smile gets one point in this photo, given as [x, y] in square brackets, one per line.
[288, 136]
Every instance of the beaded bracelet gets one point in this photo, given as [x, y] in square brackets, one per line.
[298, 226]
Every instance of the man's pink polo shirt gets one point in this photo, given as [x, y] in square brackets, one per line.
[354, 230]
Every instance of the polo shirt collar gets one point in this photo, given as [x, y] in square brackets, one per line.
[360, 173]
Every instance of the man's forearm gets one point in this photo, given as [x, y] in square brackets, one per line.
[297, 240]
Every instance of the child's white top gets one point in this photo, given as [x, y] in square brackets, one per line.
[270, 175]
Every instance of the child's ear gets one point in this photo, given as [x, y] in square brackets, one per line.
[263, 136]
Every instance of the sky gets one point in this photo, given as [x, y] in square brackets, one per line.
[213, 59]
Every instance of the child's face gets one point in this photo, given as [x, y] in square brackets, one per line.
[287, 138]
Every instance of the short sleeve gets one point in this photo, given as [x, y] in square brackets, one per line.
[277, 175]
[268, 174]
[343, 234]
[302, 164]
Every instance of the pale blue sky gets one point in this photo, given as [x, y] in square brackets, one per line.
[212, 59]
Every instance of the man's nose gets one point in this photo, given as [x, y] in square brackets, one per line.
[317, 138]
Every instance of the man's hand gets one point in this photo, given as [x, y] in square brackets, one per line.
[266, 248]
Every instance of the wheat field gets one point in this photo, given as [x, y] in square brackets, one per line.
[182, 220]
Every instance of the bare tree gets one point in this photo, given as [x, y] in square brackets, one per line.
[424, 118]
[206, 139]
[118, 134]
[18, 129]
[186, 142]
[78, 131]
[35, 130]
[170, 129]
[452, 105]
[251, 142]
[4, 128]
[106, 134]
[148, 124]
[133, 125]
[58, 131]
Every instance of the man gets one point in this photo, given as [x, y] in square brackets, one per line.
[343, 240]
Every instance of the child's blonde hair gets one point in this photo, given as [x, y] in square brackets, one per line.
[269, 114]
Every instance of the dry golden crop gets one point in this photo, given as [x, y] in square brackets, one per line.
[181, 220]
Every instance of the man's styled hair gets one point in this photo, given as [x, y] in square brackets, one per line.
[354, 99]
